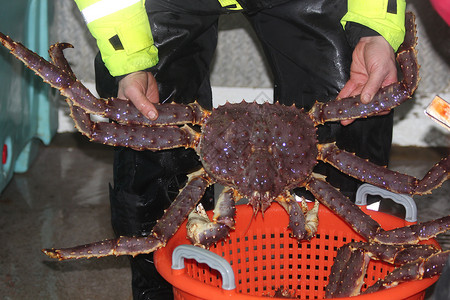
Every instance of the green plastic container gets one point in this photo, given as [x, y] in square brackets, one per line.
[28, 108]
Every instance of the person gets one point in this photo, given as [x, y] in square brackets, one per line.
[161, 51]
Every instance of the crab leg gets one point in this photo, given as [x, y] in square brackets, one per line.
[350, 265]
[414, 233]
[385, 178]
[144, 138]
[60, 76]
[347, 273]
[202, 232]
[396, 254]
[386, 98]
[81, 118]
[124, 112]
[164, 229]
[53, 75]
[419, 269]
[134, 136]
[120, 246]
[343, 207]
[302, 223]
[414, 261]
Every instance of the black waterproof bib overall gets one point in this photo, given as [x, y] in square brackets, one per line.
[309, 56]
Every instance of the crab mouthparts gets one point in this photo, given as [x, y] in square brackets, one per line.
[260, 201]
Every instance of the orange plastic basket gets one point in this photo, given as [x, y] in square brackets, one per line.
[265, 258]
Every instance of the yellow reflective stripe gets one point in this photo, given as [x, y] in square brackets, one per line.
[104, 8]
[374, 15]
[370, 9]
[132, 28]
[230, 4]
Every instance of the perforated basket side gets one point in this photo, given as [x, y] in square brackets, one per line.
[264, 258]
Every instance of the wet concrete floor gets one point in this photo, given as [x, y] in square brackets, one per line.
[63, 200]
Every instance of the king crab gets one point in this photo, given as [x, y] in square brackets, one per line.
[256, 151]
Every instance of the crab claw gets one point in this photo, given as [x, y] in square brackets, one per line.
[203, 232]
[302, 222]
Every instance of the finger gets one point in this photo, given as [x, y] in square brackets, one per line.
[143, 104]
[376, 80]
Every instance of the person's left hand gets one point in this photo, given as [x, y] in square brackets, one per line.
[373, 66]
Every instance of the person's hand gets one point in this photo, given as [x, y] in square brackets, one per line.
[373, 66]
[141, 89]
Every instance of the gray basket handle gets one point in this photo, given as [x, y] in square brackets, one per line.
[405, 200]
[204, 256]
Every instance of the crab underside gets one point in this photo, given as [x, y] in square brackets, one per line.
[259, 152]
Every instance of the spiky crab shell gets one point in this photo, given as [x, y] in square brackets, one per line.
[260, 150]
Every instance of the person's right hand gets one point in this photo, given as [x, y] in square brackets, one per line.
[141, 89]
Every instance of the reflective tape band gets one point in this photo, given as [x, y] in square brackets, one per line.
[230, 4]
[104, 8]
